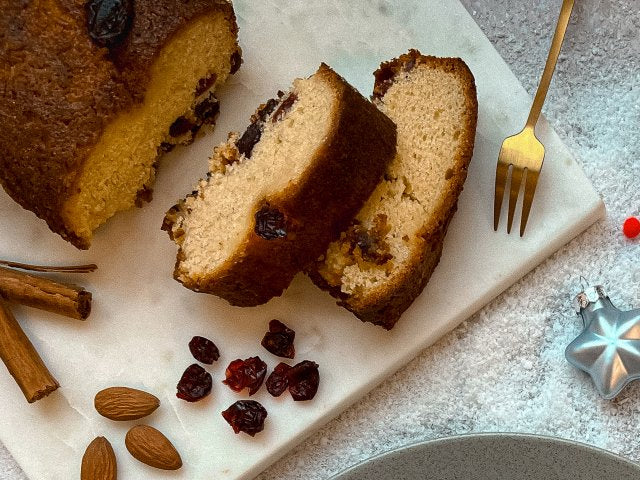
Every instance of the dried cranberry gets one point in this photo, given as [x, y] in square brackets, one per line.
[181, 126]
[270, 223]
[248, 373]
[279, 339]
[284, 107]
[277, 381]
[203, 349]
[246, 416]
[195, 384]
[304, 379]
[205, 83]
[108, 21]
[207, 109]
[236, 61]
[248, 140]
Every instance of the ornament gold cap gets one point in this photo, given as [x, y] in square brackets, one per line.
[589, 295]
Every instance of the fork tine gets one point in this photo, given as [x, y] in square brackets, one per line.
[529, 190]
[516, 179]
[502, 171]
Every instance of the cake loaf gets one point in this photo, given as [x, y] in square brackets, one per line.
[385, 258]
[92, 91]
[279, 193]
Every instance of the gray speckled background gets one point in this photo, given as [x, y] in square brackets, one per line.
[473, 380]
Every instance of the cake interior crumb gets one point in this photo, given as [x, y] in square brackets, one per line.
[122, 163]
[218, 218]
[427, 105]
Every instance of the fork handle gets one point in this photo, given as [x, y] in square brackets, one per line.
[554, 51]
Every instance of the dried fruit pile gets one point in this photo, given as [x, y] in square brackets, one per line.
[152, 448]
[248, 416]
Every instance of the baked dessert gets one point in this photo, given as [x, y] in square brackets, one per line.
[384, 259]
[277, 195]
[92, 91]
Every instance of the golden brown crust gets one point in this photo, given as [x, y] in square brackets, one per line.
[342, 176]
[385, 305]
[58, 90]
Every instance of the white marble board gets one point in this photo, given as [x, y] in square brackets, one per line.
[142, 321]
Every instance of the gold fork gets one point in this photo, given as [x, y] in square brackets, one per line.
[523, 152]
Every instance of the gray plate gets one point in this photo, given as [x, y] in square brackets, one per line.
[495, 457]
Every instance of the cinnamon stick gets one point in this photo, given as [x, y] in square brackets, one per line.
[22, 360]
[92, 267]
[69, 300]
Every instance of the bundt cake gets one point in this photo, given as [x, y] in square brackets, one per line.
[92, 91]
[384, 259]
[277, 195]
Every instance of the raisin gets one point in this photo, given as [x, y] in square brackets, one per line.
[108, 21]
[383, 80]
[236, 61]
[279, 340]
[144, 195]
[410, 65]
[270, 223]
[284, 107]
[373, 249]
[195, 384]
[203, 349]
[370, 243]
[207, 109]
[249, 138]
[265, 110]
[277, 381]
[205, 83]
[303, 379]
[246, 416]
[248, 373]
[166, 147]
[194, 130]
[181, 126]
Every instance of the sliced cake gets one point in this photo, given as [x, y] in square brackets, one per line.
[94, 90]
[384, 259]
[278, 194]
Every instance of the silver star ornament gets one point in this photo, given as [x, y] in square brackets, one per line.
[608, 348]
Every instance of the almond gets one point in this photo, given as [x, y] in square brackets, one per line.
[122, 403]
[152, 448]
[99, 461]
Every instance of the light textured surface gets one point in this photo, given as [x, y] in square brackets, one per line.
[504, 369]
[475, 380]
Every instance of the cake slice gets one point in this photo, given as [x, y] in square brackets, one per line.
[93, 91]
[276, 196]
[384, 259]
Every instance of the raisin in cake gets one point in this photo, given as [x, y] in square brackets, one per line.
[277, 195]
[384, 259]
[92, 91]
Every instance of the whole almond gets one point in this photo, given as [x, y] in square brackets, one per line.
[99, 461]
[151, 447]
[123, 403]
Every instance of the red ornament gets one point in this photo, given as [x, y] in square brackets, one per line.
[631, 227]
